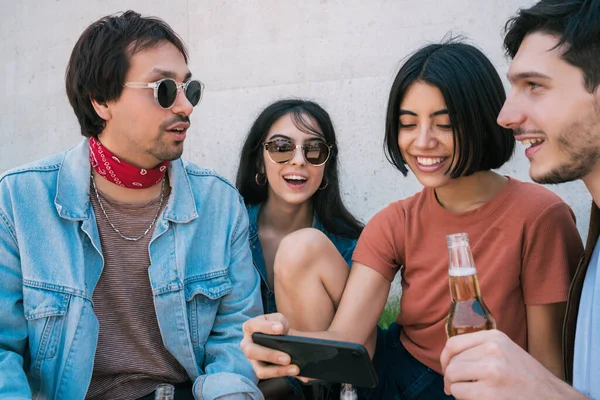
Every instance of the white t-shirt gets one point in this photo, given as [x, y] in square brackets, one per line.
[586, 364]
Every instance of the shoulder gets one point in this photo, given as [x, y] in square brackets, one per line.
[536, 195]
[536, 205]
[400, 208]
[386, 223]
[214, 195]
[33, 180]
[29, 188]
[207, 177]
[530, 200]
[39, 167]
[208, 185]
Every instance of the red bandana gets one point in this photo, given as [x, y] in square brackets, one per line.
[121, 173]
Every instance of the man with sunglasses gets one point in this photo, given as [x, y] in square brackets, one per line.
[121, 266]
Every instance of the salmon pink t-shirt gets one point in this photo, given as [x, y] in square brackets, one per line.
[525, 245]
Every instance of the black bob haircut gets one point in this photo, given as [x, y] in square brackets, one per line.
[100, 61]
[474, 96]
[327, 203]
[575, 22]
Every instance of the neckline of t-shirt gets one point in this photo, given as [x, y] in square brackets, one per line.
[133, 208]
[471, 216]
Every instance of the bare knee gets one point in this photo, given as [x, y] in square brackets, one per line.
[298, 251]
[302, 293]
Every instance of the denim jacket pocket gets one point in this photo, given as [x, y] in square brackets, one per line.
[203, 295]
[45, 311]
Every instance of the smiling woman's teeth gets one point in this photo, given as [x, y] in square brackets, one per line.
[429, 160]
[294, 178]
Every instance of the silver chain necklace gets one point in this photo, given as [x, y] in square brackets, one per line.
[133, 239]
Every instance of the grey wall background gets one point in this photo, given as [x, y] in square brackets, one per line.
[342, 54]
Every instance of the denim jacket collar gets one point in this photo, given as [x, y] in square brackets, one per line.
[73, 189]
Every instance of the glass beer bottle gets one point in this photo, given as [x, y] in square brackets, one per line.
[164, 391]
[348, 392]
[468, 313]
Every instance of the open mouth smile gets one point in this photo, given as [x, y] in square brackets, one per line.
[534, 145]
[430, 164]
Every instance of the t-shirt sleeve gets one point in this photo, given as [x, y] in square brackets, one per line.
[551, 253]
[381, 243]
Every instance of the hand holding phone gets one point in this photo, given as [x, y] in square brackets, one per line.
[328, 360]
[261, 358]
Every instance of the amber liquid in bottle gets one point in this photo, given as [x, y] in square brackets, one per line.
[468, 312]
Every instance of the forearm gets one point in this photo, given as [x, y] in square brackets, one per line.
[544, 327]
[554, 366]
[329, 335]
[551, 358]
[362, 303]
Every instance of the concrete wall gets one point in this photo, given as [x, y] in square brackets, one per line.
[342, 54]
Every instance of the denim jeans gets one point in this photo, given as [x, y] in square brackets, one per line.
[401, 376]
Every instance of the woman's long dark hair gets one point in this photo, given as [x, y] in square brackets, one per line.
[327, 203]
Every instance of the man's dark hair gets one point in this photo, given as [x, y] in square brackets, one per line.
[327, 203]
[575, 22]
[473, 94]
[100, 61]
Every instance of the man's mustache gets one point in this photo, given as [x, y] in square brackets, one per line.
[521, 131]
[177, 119]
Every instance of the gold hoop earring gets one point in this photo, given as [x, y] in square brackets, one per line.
[260, 179]
[323, 187]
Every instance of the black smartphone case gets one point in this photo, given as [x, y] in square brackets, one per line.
[328, 360]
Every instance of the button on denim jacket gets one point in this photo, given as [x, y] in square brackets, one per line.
[201, 273]
[344, 245]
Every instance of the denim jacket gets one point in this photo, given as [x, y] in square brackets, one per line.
[201, 274]
[344, 245]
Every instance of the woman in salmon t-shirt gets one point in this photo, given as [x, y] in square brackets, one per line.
[441, 123]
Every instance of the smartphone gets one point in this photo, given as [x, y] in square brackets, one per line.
[328, 360]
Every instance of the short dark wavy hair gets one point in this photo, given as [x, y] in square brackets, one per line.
[576, 22]
[474, 95]
[100, 61]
